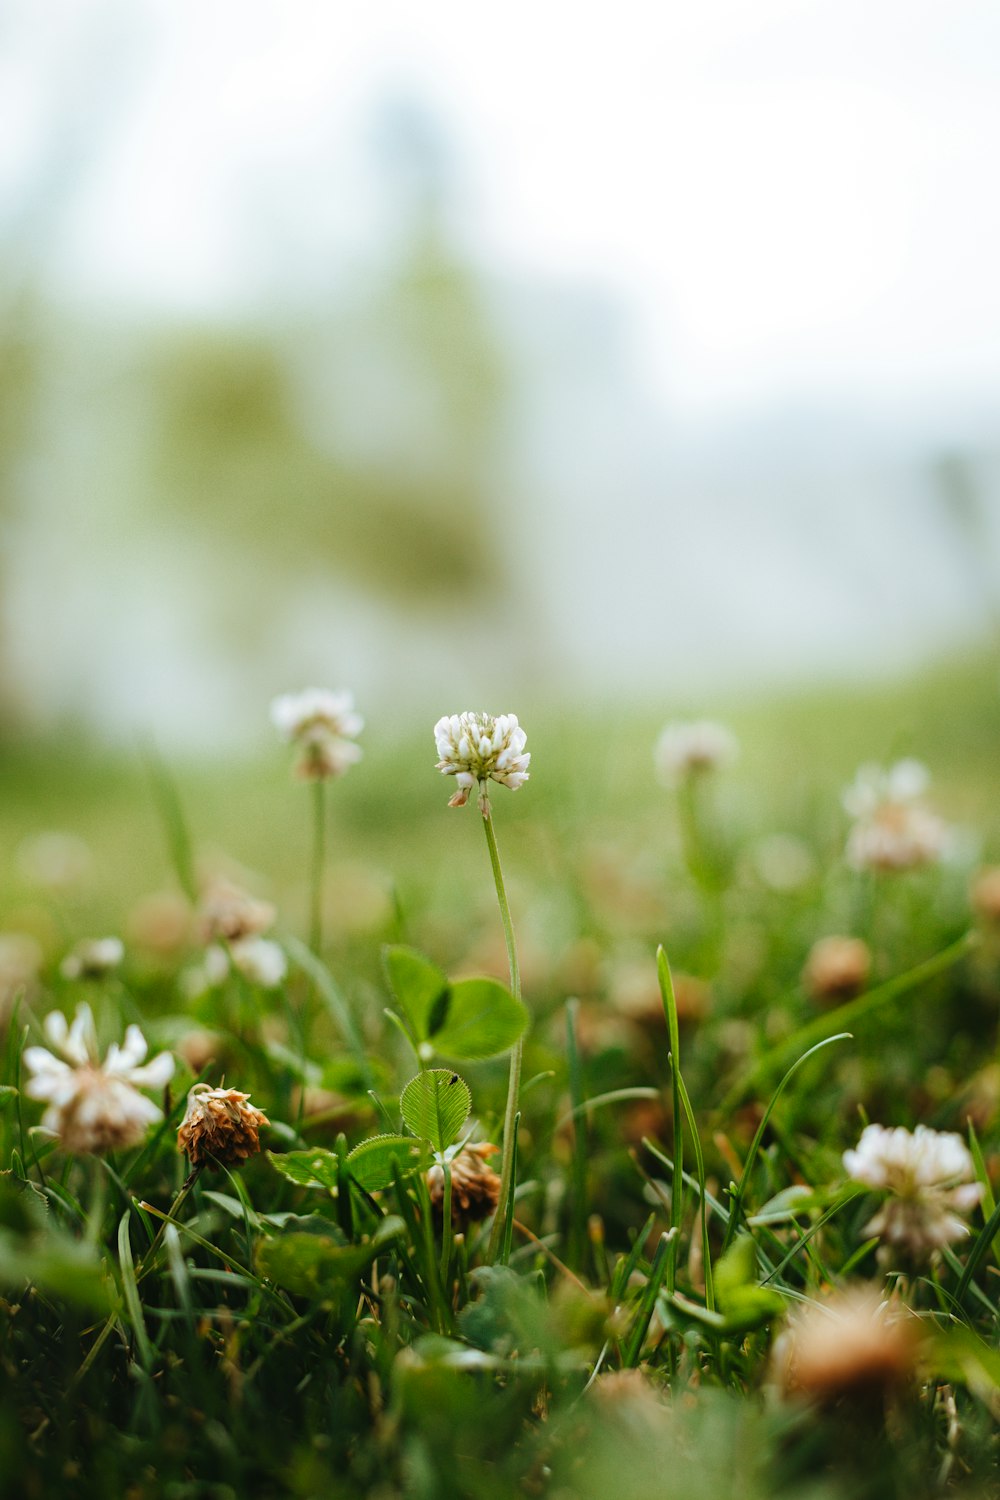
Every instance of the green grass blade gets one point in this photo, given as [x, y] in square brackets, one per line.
[677, 1193]
[736, 1206]
[130, 1291]
[978, 1253]
[172, 817]
[699, 1160]
[845, 1015]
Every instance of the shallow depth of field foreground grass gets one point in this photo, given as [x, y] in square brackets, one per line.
[716, 1274]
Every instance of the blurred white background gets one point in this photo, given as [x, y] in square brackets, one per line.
[452, 354]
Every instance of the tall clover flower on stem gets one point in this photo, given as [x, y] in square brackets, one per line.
[477, 749]
[685, 756]
[323, 727]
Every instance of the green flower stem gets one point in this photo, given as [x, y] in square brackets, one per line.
[318, 864]
[507, 1184]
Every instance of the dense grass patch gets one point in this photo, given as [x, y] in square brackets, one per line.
[671, 1302]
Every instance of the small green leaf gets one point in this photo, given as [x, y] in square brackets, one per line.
[316, 1265]
[7, 1095]
[482, 1020]
[736, 1269]
[744, 1304]
[420, 988]
[435, 1105]
[62, 1268]
[317, 1168]
[370, 1163]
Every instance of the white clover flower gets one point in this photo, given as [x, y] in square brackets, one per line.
[477, 748]
[94, 1106]
[927, 1175]
[260, 960]
[93, 958]
[684, 750]
[323, 726]
[893, 829]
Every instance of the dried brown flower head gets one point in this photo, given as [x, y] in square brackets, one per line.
[221, 1127]
[475, 1187]
[838, 968]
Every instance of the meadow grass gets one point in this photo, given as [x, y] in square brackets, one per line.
[335, 1315]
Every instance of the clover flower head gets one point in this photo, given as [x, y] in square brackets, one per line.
[893, 828]
[690, 749]
[93, 958]
[323, 726]
[927, 1175]
[854, 1345]
[220, 1127]
[94, 1106]
[477, 748]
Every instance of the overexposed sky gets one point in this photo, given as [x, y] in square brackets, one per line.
[784, 196]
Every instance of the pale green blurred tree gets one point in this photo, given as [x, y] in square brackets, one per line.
[361, 437]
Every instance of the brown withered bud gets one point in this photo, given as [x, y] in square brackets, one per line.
[475, 1187]
[221, 1127]
[837, 969]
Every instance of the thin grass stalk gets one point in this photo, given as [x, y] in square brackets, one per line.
[318, 867]
[505, 1204]
[677, 1189]
[578, 1204]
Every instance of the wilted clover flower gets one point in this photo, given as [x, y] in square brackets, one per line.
[323, 726]
[220, 1128]
[927, 1175]
[684, 750]
[893, 829]
[475, 1187]
[94, 1106]
[476, 748]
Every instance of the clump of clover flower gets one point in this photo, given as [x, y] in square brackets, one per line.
[94, 1106]
[322, 725]
[691, 749]
[927, 1175]
[93, 958]
[854, 1346]
[475, 1187]
[893, 828]
[476, 749]
[227, 913]
[220, 1128]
